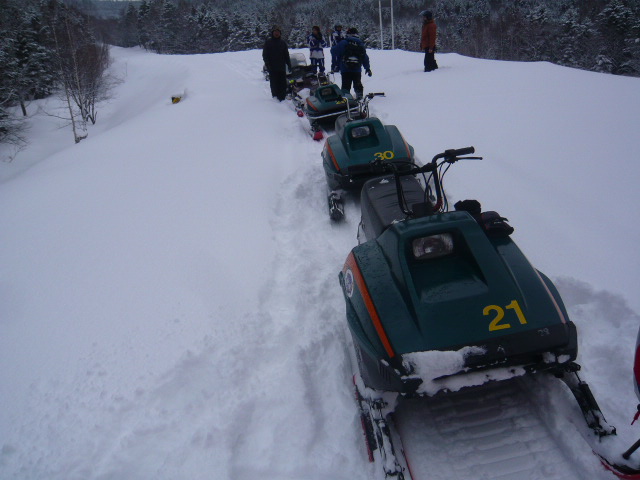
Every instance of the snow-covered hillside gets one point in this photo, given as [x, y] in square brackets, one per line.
[169, 302]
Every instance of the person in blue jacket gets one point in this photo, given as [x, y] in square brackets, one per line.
[352, 57]
[337, 35]
[316, 52]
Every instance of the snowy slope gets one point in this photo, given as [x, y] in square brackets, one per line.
[169, 304]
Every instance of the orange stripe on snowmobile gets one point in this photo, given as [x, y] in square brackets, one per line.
[636, 367]
[406, 145]
[312, 105]
[553, 299]
[333, 157]
[368, 302]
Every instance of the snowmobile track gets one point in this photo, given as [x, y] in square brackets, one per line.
[489, 432]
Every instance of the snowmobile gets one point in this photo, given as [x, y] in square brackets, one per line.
[324, 105]
[359, 139]
[306, 78]
[299, 67]
[427, 286]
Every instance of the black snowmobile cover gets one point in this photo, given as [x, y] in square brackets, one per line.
[379, 202]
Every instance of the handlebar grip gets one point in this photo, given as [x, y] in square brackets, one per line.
[457, 152]
[429, 167]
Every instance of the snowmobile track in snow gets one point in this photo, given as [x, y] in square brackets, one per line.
[491, 432]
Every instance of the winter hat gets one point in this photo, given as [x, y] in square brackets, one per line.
[275, 27]
[352, 30]
[427, 13]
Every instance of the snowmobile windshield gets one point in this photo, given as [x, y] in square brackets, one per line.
[360, 132]
[363, 137]
[298, 60]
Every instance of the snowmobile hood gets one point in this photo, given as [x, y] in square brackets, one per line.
[362, 141]
[482, 292]
[328, 99]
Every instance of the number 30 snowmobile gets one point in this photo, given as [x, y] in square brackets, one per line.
[427, 286]
[358, 140]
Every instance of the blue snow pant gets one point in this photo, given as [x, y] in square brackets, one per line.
[355, 78]
[318, 63]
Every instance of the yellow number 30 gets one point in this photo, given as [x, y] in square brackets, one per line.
[499, 312]
[388, 155]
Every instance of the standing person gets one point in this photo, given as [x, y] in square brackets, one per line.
[336, 37]
[316, 52]
[352, 56]
[276, 58]
[428, 40]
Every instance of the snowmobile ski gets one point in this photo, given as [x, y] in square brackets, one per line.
[336, 206]
[379, 435]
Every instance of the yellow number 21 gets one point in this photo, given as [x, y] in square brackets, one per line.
[499, 315]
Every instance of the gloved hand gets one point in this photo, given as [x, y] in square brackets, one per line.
[368, 72]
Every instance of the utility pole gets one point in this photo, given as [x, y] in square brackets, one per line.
[380, 15]
[393, 32]
[393, 36]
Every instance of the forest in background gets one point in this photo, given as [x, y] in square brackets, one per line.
[55, 46]
[598, 35]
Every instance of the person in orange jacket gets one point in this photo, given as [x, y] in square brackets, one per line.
[428, 40]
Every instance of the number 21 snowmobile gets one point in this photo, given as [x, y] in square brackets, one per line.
[425, 283]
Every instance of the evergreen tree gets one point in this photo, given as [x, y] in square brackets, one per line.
[128, 27]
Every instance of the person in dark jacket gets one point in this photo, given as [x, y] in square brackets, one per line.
[316, 46]
[428, 40]
[350, 67]
[276, 58]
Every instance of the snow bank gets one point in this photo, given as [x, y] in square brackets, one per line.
[169, 303]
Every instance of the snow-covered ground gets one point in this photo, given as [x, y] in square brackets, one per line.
[169, 303]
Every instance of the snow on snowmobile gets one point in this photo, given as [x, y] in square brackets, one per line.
[439, 300]
[358, 140]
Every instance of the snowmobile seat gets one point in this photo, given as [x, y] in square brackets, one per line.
[379, 202]
[328, 94]
[343, 120]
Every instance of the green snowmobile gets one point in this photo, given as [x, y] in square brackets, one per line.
[427, 286]
[324, 105]
[359, 140]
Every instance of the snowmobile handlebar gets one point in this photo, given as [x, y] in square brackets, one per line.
[363, 105]
[381, 167]
[452, 154]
